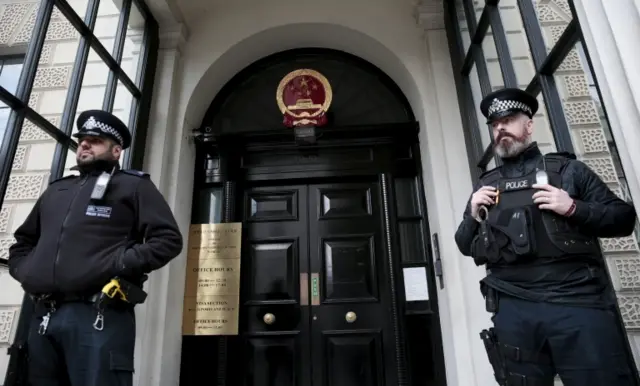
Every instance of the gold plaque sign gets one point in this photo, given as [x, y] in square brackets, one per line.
[212, 288]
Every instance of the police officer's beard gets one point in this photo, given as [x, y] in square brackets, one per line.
[100, 160]
[512, 148]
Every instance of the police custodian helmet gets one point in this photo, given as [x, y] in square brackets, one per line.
[103, 124]
[508, 101]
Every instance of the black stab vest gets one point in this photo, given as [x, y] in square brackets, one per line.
[517, 231]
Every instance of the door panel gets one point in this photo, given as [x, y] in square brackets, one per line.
[275, 326]
[272, 361]
[315, 298]
[351, 328]
[353, 358]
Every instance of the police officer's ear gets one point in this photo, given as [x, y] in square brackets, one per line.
[116, 150]
[528, 125]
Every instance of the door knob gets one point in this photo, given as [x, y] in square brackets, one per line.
[350, 317]
[269, 318]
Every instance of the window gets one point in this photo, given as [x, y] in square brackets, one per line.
[79, 55]
[10, 69]
[535, 45]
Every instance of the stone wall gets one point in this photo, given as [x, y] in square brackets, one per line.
[32, 163]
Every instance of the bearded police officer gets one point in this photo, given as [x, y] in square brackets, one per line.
[83, 253]
[534, 222]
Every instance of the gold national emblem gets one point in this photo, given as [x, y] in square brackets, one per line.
[304, 96]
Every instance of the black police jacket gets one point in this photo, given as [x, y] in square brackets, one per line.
[70, 243]
[599, 212]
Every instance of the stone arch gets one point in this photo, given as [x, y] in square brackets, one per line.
[362, 93]
[201, 91]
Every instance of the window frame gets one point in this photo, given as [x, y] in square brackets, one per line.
[141, 95]
[543, 82]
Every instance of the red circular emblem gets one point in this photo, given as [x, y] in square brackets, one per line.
[304, 96]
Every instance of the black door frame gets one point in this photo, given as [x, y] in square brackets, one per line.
[388, 151]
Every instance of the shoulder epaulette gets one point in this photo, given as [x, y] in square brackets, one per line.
[555, 162]
[490, 176]
[561, 154]
[134, 172]
[63, 178]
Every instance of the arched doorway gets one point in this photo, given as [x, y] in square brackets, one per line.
[331, 231]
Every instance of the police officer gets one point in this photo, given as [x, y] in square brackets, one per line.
[534, 222]
[84, 231]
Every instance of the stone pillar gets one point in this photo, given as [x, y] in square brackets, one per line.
[610, 33]
[461, 306]
[160, 318]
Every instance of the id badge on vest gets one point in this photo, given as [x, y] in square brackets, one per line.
[542, 178]
[98, 193]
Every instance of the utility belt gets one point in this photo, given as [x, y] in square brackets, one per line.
[117, 294]
[56, 299]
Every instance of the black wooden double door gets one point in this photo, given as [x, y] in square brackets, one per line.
[316, 295]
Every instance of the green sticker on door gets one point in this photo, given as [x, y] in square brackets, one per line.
[315, 289]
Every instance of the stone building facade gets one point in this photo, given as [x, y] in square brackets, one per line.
[204, 44]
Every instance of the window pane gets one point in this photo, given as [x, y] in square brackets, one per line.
[463, 25]
[542, 129]
[122, 108]
[10, 69]
[10, 74]
[5, 111]
[69, 163]
[483, 130]
[133, 49]
[107, 23]
[491, 58]
[51, 84]
[79, 6]
[554, 16]
[517, 42]
[29, 177]
[94, 85]
[478, 6]
[477, 98]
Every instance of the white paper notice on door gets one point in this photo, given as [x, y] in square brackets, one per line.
[415, 284]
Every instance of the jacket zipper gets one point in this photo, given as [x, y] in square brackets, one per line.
[64, 223]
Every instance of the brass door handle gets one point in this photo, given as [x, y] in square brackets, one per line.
[350, 317]
[269, 318]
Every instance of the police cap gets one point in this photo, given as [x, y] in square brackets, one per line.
[103, 124]
[508, 101]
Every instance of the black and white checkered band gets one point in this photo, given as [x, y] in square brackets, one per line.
[498, 106]
[91, 123]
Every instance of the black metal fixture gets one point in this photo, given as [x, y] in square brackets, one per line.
[305, 135]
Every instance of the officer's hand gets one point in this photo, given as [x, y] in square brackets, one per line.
[551, 198]
[483, 196]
